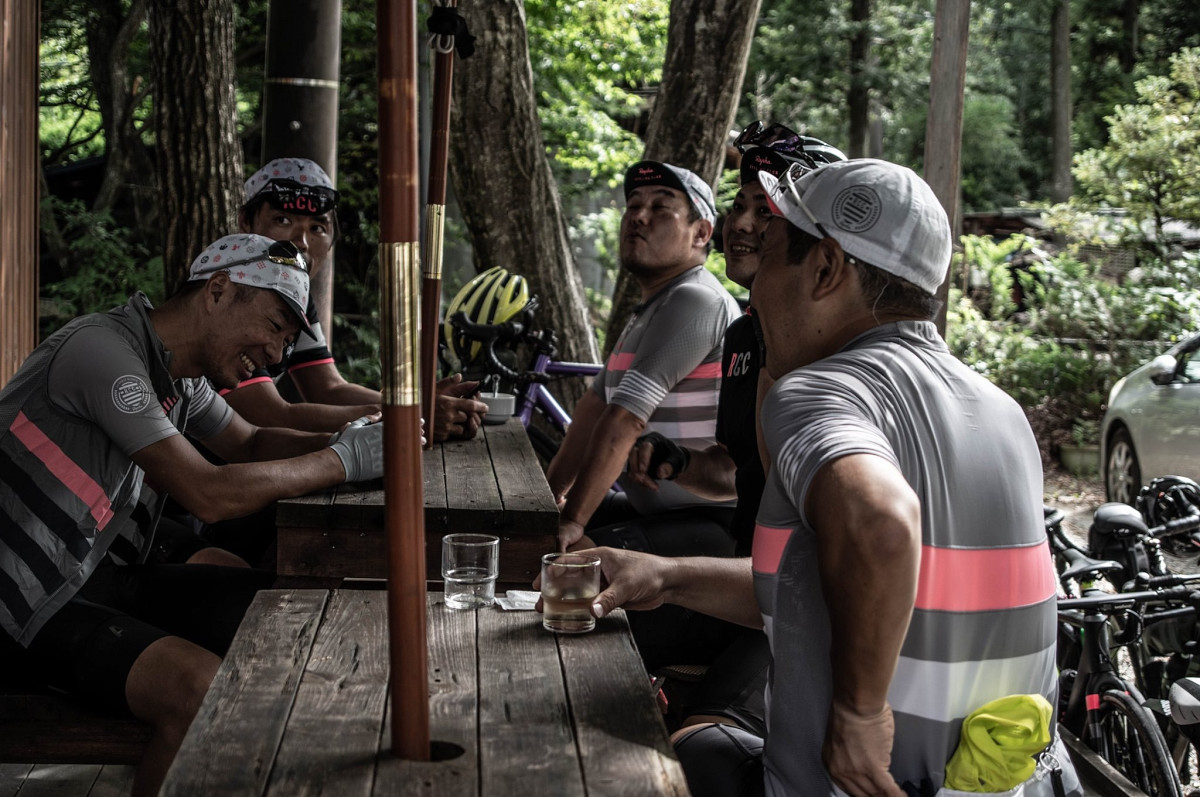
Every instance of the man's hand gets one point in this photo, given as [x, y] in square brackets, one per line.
[456, 413]
[360, 448]
[569, 533]
[654, 457]
[631, 580]
[858, 751]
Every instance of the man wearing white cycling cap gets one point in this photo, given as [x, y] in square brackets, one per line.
[899, 561]
[99, 409]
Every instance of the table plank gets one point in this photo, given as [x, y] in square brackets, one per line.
[519, 475]
[623, 744]
[242, 718]
[339, 707]
[453, 707]
[527, 745]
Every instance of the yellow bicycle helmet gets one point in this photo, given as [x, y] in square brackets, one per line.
[493, 297]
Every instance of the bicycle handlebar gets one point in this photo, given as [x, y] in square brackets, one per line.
[488, 334]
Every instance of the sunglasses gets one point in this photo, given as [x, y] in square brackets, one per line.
[294, 197]
[282, 253]
[789, 179]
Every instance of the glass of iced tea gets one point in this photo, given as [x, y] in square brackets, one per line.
[570, 584]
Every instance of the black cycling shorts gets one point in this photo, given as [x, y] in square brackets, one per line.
[722, 761]
[89, 646]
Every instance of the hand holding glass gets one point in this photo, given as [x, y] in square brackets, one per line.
[570, 584]
[470, 563]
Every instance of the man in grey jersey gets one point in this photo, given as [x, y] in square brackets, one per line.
[663, 374]
[99, 407]
[901, 485]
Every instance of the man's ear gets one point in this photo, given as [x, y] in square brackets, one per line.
[704, 231]
[218, 287]
[245, 222]
[830, 266]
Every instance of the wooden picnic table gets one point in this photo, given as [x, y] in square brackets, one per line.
[492, 484]
[300, 706]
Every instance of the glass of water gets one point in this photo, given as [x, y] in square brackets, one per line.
[570, 584]
[470, 563]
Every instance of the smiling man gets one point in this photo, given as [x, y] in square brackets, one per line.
[100, 407]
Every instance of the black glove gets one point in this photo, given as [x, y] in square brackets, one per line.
[668, 451]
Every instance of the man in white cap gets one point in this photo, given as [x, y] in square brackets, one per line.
[899, 561]
[99, 407]
[293, 199]
[663, 375]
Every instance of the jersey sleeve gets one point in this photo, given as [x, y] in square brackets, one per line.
[685, 332]
[208, 413]
[811, 418]
[98, 377]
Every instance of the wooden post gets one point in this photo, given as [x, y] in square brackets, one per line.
[19, 19]
[399, 275]
[435, 221]
[943, 128]
[300, 102]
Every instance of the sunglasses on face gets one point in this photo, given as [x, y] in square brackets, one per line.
[293, 197]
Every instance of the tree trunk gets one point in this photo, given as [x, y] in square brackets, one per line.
[1131, 12]
[510, 204]
[109, 34]
[708, 42]
[943, 127]
[195, 119]
[858, 98]
[1060, 98]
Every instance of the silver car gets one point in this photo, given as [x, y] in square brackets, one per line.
[1152, 425]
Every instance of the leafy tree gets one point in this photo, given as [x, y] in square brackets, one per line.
[1151, 162]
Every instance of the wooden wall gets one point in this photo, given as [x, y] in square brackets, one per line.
[18, 182]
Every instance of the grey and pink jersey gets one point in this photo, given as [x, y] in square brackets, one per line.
[666, 370]
[88, 398]
[984, 622]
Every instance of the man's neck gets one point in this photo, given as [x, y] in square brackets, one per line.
[651, 284]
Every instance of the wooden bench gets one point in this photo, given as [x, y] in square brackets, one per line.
[40, 726]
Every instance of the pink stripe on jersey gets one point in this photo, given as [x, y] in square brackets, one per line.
[706, 371]
[252, 381]
[618, 361]
[298, 366]
[769, 544]
[65, 470]
[979, 580]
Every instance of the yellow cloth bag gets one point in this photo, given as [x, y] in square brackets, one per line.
[998, 744]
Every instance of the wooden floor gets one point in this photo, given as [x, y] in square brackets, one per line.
[65, 780]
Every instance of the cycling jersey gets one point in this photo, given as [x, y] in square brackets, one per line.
[983, 626]
[740, 364]
[666, 370]
[86, 399]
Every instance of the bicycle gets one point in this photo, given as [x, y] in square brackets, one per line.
[529, 386]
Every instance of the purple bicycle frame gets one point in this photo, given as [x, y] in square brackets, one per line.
[537, 395]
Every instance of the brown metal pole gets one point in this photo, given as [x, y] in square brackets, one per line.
[435, 219]
[399, 274]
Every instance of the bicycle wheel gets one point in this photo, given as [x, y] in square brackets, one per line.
[1131, 741]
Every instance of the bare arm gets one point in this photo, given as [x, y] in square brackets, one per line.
[260, 404]
[213, 493]
[868, 524]
[324, 384]
[718, 587]
[564, 469]
[608, 449]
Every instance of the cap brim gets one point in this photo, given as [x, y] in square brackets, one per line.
[299, 311]
[781, 202]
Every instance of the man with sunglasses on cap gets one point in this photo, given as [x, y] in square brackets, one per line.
[663, 373]
[899, 565]
[293, 199]
[98, 409]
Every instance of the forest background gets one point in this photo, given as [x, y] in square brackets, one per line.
[855, 73]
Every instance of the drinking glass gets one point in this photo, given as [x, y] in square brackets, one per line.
[470, 563]
[570, 584]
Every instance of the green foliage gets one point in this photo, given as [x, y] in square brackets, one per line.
[988, 262]
[590, 58]
[107, 266]
[1080, 334]
[1151, 163]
